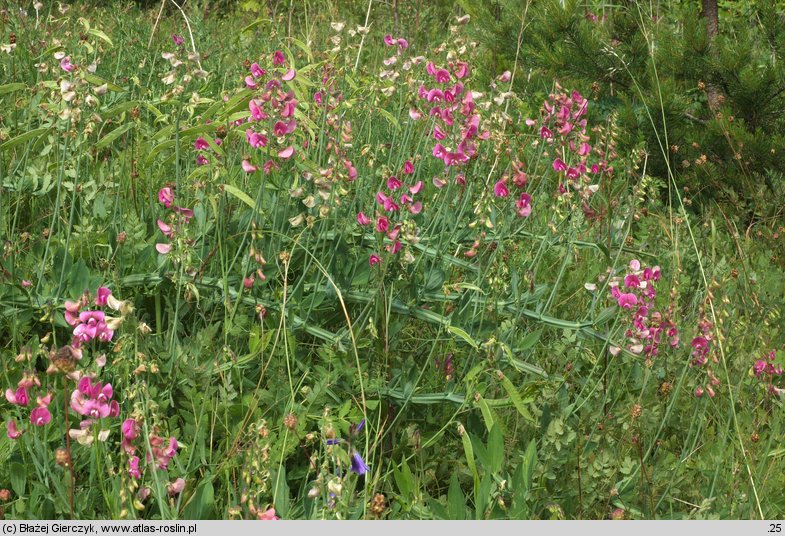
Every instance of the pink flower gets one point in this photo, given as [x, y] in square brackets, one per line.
[382, 224]
[248, 167]
[289, 75]
[40, 416]
[584, 149]
[506, 76]
[374, 259]
[166, 229]
[166, 196]
[500, 189]
[389, 40]
[18, 397]
[201, 144]
[414, 114]
[523, 204]
[256, 111]
[255, 139]
[12, 431]
[362, 219]
[416, 188]
[94, 400]
[278, 58]
[175, 487]
[130, 431]
[163, 249]
[393, 183]
[267, 515]
[408, 168]
[286, 153]
[461, 70]
[415, 208]
[178, 40]
[559, 165]
[627, 300]
[201, 160]
[281, 129]
[26, 283]
[403, 44]
[102, 294]
[133, 467]
[66, 65]
[257, 71]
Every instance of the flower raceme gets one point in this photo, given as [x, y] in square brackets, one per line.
[94, 400]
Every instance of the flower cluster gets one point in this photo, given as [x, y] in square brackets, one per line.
[271, 111]
[701, 352]
[178, 218]
[93, 401]
[94, 324]
[765, 369]
[563, 127]
[22, 395]
[523, 204]
[389, 220]
[456, 121]
[161, 450]
[636, 292]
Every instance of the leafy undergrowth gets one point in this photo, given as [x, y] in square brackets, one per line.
[251, 271]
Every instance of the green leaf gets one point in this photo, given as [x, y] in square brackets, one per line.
[515, 397]
[530, 340]
[100, 35]
[455, 330]
[495, 449]
[116, 133]
[18, 478]
[10, 88]
[468, 451]
[27, 136]
[456, 502]
[242, 196]
[202, 503]
[281, 493]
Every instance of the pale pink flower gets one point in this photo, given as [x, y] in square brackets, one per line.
[500, 189]
[362, 219]
[163, 249]
[166, 196]
[102, 294]
[286, 153]
[289, 75]
[523, 205]
[248, 167]
[166, 229]
[12, 432]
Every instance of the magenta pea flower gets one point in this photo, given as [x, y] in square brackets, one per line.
[523, 205]
[255, 139]
[178, 40]
[500, 189]
[133, 467]
[257, 71]
[94, 400]
[393, 183]
[201, 144]
[66, 65]
[627, 300]
[362, 219]
[102, 294]
[289, 75]
[389, 40]
[286, 153]
[130, 431]
[382, 224]
[165, 228]
[248, 167]
[11, 430]
[278, 58]
[18, 397]
[40, 416]
[250, 83]
[166, 196]
[374, 259]
[408, 168]
[90, 325]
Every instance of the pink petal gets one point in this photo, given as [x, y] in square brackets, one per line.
[163, 249]
[286, 153]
